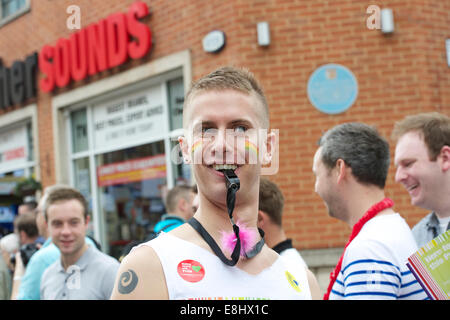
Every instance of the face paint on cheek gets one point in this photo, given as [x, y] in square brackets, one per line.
[197, 144]
[251, 152]
[196, 151]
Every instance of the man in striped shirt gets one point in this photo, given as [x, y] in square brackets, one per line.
[351, 166]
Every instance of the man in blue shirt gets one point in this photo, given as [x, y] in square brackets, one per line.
[179, 208]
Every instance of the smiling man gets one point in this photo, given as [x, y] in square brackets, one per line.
[83, 272]
[225, 119]
[422, 158]
[351, 166]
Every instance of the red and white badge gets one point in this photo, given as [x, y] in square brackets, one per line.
[191, 270]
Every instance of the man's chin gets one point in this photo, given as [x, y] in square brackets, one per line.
[418, 202]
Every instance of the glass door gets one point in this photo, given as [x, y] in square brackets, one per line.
[130, 183]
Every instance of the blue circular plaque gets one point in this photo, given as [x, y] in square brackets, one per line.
[332, 88]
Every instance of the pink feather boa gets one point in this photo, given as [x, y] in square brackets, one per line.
[249, 238]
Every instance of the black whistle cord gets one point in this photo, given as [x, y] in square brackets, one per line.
[213, 245]
[233, 185]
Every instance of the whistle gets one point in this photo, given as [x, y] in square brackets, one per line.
[231, 179]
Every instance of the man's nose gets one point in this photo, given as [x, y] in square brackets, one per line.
[65, 229]
[400, 175]
[223, 146]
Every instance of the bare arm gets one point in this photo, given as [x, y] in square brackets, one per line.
[19, 271]
[313, 286]
[140, 277]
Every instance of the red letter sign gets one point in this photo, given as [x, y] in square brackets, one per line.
[117, 39]
[78, 53]
[142, 34]
[61, 63]
[97, 55]
[45, 65]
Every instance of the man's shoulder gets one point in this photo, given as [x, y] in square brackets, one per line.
[46, 254]
[423, 230]
[140, 267]
[141, 254]
[99, 259]
[387, 230]
[51, 270]
[422, 224]
[171, 221]
[41, 261]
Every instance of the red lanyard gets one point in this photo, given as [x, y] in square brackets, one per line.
[372, 212]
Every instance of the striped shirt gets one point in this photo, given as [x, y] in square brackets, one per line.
[374, 264]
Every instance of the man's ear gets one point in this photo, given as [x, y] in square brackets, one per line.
[444, 158]
[270, 144]
[341, 169]
[88, 218]
[261, 219]
[184, 146]
[22, 236]
[181, 204]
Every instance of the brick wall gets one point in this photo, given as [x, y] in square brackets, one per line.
[397, 75]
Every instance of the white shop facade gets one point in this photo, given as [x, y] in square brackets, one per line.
[115, 140]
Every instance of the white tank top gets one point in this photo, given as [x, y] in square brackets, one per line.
[192, 272]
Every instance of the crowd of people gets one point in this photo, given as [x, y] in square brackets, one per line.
[223, 238]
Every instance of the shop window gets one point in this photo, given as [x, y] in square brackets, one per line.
[130, 185]
[176, 99]
[121, 157]
[78, 120]
[81, 177]
[16, 149]
[30, 142]
[9, 202]
[11, 9]
[181, 170]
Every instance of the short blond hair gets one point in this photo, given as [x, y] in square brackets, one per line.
[433, 127]
[229, 78]
[174, 194]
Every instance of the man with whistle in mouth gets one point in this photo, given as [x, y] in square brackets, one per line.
[220, 253]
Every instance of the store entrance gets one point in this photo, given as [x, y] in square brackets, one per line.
[8, 203]
[131, 183]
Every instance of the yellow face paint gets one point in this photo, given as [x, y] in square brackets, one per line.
[196, 145]
[252, 151]
[251, 148]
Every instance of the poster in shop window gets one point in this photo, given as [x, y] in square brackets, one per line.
[153, 167]
[13, 148]
[129, 118]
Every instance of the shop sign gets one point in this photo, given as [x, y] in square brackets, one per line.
[98, 47]
[13, 148]
[153, 167]
[8, 184]
[129, 119]
[17, 83]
